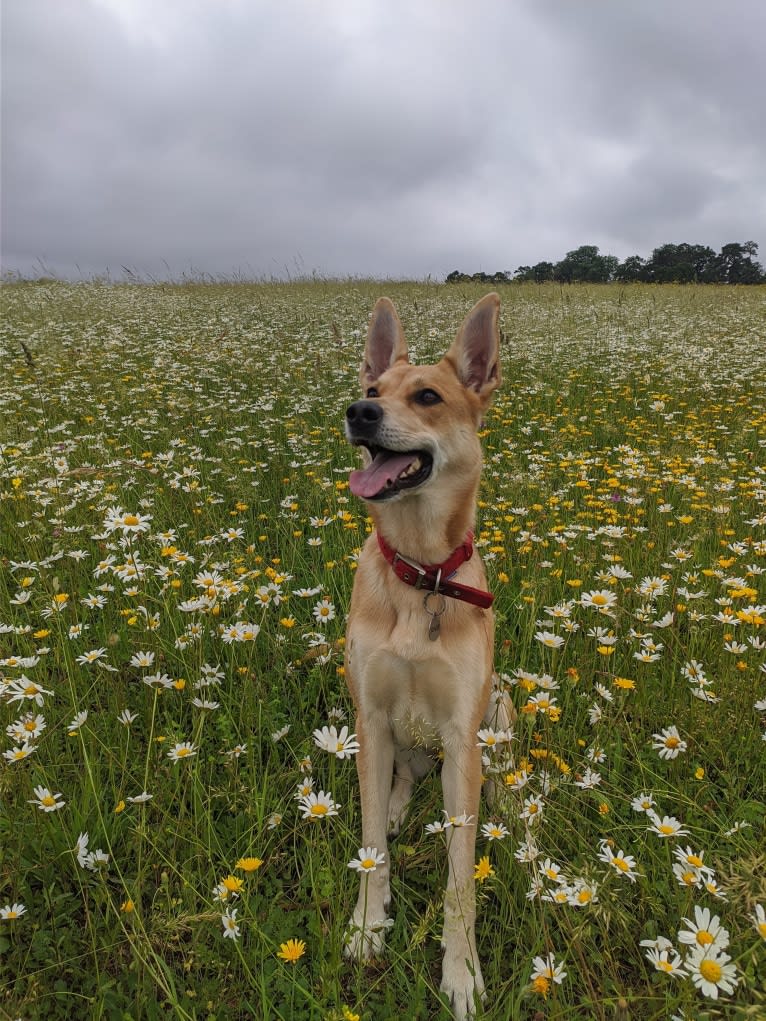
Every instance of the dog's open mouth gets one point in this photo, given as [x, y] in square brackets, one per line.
[390, 472]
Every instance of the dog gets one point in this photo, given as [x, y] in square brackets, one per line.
[420, 633]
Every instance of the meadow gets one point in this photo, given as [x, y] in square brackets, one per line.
[177, 550]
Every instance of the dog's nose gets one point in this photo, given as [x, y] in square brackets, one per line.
[364, 416]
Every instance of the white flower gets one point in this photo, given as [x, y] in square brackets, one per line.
[142, 659]
[489, 738]
[229, 922]
[318, 806]
[668, 826]
[367, 860]
[549, 640]
[77, 722]
[589, 779]
[494, 831]
[46, 801]
[710, 971]
[623, 864]
[11, 911]
[758, 918]
[704, 931]
[342, 745]
[662, 961]
[81, 849]
[182, 750]
[91, 657]
[546, 967]
[532, 809]
[669, 743]
[324, 611]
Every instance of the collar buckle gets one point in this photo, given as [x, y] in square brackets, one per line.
[419, 576]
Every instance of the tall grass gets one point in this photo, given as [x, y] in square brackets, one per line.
[178, 543]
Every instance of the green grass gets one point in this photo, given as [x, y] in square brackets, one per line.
[630, 433]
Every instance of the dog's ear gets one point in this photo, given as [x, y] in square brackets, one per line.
[475, 353]
[385, 343]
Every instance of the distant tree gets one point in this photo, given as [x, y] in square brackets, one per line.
[683, 264]
[542, 272]
[735, 264]
[632, 270]
[586, 265]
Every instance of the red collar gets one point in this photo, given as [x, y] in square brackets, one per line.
[437, 577]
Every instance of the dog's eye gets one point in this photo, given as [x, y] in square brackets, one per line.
[372, 392]
[427, 396]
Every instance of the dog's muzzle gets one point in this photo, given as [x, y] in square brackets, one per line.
[389, 472]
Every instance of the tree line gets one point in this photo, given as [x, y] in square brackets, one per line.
[736, 263]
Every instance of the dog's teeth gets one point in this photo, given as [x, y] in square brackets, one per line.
[412, 468]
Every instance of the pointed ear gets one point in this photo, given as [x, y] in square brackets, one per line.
[475, 353]
[385, 343]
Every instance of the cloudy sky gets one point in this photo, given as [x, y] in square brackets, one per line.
[389, 138]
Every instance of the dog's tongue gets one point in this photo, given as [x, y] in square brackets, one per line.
[386, 467]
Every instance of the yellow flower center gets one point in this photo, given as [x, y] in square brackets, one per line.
[319, 809]
[762, 929]
[181, 752]
[541, 985]
[48, 800]
[672, 742]
[368, 863]
[600, 600]
[584, 896]
[130, 520]
[711, 971]
[704, 938]
[621, 864]
[664, 965]
[667, 830]
[694, 860]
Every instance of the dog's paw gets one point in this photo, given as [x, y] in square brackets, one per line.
[365, 941]
[462, 984]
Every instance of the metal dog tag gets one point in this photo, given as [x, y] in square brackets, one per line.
[435, 624]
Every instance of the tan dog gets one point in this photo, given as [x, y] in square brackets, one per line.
[419, 661]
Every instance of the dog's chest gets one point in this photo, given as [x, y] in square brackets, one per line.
[417, 688]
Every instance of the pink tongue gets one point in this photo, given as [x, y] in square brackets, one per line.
[386, 467]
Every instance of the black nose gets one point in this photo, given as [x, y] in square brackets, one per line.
[364, 417]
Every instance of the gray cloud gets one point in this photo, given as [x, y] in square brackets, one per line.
[386, 139]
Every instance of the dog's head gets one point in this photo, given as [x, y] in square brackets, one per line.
[417, 424]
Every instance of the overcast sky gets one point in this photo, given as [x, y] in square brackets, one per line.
[389, 138]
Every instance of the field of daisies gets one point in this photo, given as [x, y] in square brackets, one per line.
[179, 813]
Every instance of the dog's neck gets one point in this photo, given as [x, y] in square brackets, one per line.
[414, 527]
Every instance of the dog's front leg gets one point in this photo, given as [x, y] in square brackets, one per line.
[461, 971]
[375, 766]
